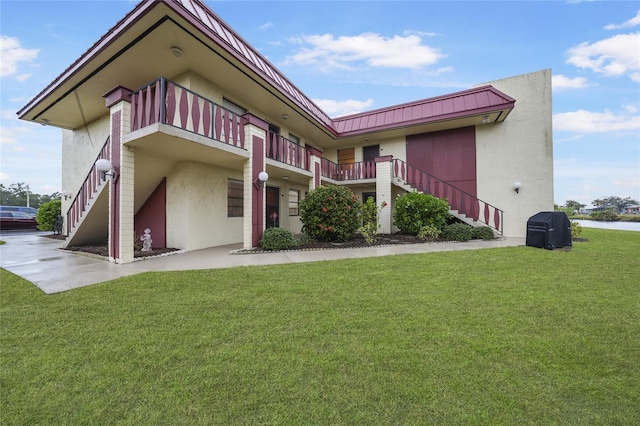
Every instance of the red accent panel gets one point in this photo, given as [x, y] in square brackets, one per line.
[171, 102]
[449, 155]
[184, 109]
[206, 119]
[257, 193]
[195, 114]
[153, 215]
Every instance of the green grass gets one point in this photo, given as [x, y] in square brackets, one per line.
[496, 336]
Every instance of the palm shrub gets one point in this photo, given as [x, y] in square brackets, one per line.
[457, 232]
[47, 214]
[277, 239]
[415, 210]
[330, 213]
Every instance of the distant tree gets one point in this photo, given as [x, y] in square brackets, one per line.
[574, 206]
[16, 195]
[611, 200]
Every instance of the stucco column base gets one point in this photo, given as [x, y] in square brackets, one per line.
[383, 193]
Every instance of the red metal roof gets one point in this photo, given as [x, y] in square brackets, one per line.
[477, 101]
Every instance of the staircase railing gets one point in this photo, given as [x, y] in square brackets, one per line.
[351, 171]
[87, 190]
[459, 200]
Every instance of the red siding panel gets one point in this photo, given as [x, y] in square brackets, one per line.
[448, 155]
[153, 215]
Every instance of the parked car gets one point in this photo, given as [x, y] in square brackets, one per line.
[31, 211]
[17, 220]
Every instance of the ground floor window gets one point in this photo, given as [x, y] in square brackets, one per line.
[235, 198]
[294, 202]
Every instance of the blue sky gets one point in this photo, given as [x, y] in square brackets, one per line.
[360, 55]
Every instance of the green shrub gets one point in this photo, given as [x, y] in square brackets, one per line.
[576, 229]
[429, 233]
[369, 228]
[608, 215]
[415, 210]
[482, 233]
[330, 213]
[457, 232]
[47, 214]
[277, 239]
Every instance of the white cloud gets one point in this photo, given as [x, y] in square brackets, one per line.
[582, 121]
[614, 56]
[560, 82]
[265, 26]
[12, 54]
[335, 108]
[374, 50]
[633, 22]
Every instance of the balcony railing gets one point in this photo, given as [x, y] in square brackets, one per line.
[163, 101]
[352, 171]
[459, 200]
[286, 151]
[87, 190]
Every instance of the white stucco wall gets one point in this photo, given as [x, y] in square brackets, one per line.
[197, 207]
[80, 148]
[518, 150]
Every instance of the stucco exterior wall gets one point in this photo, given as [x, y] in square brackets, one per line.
[80, 148]
[518, 150]
[197, 207]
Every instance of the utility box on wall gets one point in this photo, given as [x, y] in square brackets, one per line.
[549, 230]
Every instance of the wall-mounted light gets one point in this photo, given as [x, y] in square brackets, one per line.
[66, 194]
[176, 51]
[103, 166]
[261, 179]
[517, 186]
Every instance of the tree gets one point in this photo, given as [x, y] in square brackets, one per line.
[16, 195]
[611, 200]
[574, 206]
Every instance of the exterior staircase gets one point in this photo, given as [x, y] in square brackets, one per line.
[90, 198]
[463, 206]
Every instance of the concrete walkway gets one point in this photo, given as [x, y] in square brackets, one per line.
[41, 261]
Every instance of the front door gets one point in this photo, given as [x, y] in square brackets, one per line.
[272, 212]
[369, 154]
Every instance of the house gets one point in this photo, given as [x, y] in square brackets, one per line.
[172, 122]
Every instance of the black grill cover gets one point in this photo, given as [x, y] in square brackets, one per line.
[549, 230]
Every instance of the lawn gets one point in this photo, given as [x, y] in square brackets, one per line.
[495, 336]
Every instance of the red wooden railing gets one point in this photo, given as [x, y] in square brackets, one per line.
[166, 102]
[87, 190]
[458, 199]
[282, 149]
[352, 171]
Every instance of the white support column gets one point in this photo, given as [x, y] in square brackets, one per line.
[384, 193]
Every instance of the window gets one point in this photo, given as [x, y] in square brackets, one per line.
[294, 201]
[294, 139]
[234, 108]
[235, 198]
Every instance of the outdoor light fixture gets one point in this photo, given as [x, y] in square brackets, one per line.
[285, 116]
[103, 166]
[176, 51]
[517, 186]
[485, 119]
[44, 122]
[260, 180]
[66, 194]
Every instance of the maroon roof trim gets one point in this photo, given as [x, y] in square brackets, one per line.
[480, 100]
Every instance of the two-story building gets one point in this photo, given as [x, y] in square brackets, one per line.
[172, 122]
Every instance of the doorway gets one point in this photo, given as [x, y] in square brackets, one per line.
[272, 212]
